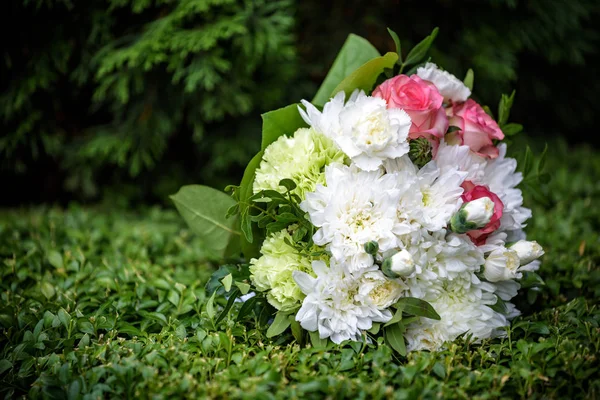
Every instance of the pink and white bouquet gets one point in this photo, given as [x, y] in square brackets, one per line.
[389, 212]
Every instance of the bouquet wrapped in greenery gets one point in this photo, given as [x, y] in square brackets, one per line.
[385, 207]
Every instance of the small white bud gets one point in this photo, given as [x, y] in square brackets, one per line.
[473, 215]
[480, 211]
[527, 251]
[400, 264]
[501, 265]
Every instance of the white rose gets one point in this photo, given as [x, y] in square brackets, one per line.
[527, 251]
[501, 265]
[449, 85]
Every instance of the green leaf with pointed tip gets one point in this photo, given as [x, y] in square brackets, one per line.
[395, 338]
[396, 39]
[414, 306]
[365, 77]
[210, 306]
[204, 210]
[512, 129]
[316, 340]
[355, 52]
[284, 121]
[418, 52]
[527, 162]
[250, 246]
[227, 282]
[279, 325]
[244, 287]
[469, 79]
[504, 107]
[55, 259]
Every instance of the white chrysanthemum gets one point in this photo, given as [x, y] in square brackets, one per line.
[273, 271]
[464, 308]
[432, 197]
[445, 277]
[452, 156]
[326, 122]
[449, 85]
[438, 258]
[354, 208]
[366, 130]
[301, 158]
[501, 178]
[380, 291]
[335, 306]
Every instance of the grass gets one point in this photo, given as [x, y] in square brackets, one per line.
[102, 303]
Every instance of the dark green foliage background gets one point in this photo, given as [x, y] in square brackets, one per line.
[126, 100]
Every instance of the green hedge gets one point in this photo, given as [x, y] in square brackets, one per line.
[108, 303]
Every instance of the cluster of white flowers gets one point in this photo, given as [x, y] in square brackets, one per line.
[450, 232]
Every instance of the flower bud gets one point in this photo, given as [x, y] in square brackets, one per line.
[472, 215]
[399, 265]
[420, 151]
[527, 251]
[501, 265]
[372, 247]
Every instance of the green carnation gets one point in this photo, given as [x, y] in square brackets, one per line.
[273, 271]
[301, 158]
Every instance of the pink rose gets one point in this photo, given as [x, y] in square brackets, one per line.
[476, 128]
[474, 192]
[421, 100]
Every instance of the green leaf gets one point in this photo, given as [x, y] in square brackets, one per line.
[396, 39]
[375, 328]
[232, 298]
[279, 325]
[288, 184]
[204, 210]
[512, 129]
[504, 107]
[74, 389]
[244, 287]
[250, 247]
[365, 77]
[215, 280]
[247, 307]
[542, 160]
[64, 317]
[316, 340]
[418, 52]
[5, 365]
[284, 121]
[439, 370]
[210, 306]
[47, 289]
[414, 306]
[55, 259]
[499, 306]
[396, 318]
[297, 331]
[355, 52]
[469, 79]
[85, 341]
[395, 338]
[527, 162]
[227, 281]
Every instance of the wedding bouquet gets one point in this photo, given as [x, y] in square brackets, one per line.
[389, 212]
